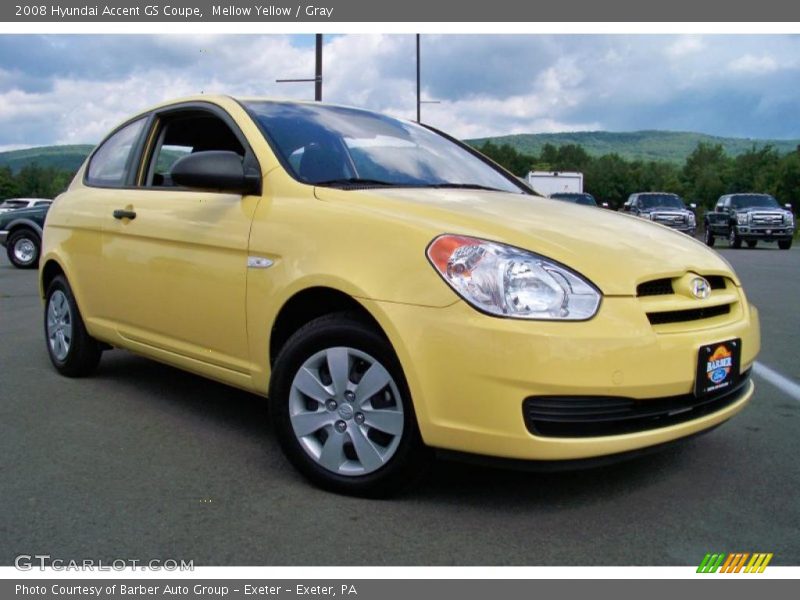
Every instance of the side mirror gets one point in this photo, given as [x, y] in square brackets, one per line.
[604, 204]
[693, 205]
[219, 170]
[788, 206]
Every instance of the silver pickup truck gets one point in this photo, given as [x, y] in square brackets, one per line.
[661, 207]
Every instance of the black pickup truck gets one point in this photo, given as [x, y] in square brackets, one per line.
[750, 218]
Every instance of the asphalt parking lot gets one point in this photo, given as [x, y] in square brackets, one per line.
[144, 461]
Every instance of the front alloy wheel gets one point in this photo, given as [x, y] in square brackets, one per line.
[341, 409]
[346, 411]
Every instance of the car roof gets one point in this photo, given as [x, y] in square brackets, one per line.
[224, 100]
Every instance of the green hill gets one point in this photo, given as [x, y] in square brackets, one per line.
[68, 158]
[671, 146]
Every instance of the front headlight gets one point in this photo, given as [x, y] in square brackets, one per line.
[741, 218]
[651, 216]
[692, 220]
[510, 282]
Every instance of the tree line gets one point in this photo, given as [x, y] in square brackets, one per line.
[706, 174]
[33, 181]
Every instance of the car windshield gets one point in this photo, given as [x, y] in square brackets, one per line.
[10, 204]
[585, 199]
[661, 201]
[338, 146]
[754, 201]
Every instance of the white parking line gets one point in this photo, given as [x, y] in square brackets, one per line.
[784, 384]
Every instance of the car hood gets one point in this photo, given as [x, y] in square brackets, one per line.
[615, 251]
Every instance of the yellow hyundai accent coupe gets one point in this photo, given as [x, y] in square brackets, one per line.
[390, 290]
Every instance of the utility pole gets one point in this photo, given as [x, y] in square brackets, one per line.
[317, 72]
[420, 101]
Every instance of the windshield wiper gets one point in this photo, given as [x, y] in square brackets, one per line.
[355, 181]
[463, 186]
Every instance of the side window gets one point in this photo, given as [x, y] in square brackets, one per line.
[111, 163]
[184, 134]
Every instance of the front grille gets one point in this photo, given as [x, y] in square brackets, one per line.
[590, 416]
[656, 287]
[692, 314]
[717, 282]
[766, 219]
[663, 287]
[670, 220]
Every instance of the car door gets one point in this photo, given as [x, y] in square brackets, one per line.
[179, 255]
[109, 173]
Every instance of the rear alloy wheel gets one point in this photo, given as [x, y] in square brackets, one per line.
[785, 244]
[752, 243]
[22, 248]
[709, 237]
[72, 350]
[733, 239]
[341, 409]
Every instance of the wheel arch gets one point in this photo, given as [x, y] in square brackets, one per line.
[18, 224]
[309, 304]
[49, 271]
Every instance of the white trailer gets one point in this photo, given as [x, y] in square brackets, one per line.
[551, 182]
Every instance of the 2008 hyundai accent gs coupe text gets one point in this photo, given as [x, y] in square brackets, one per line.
[389, 290]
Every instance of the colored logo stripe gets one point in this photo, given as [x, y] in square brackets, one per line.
[710, 563]
[734, 562]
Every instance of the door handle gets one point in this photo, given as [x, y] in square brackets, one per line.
[124, 214]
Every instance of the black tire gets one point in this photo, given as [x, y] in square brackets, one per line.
[83, 352]
[785, 244]
[410, 457]
[752, 243]
[23, 247]
[708, 236]
[733, 238]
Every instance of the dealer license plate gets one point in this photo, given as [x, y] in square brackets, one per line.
[718, 367]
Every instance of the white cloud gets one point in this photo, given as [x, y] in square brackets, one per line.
[685, 45]
[754, 64]
[72, 89]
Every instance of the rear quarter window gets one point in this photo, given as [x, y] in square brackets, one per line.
[111, 162]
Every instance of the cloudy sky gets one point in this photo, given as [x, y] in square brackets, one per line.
[59, 89]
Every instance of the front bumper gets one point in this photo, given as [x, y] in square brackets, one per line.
[687, 230]
[765, 234]
[470, 373]
[3, 237]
